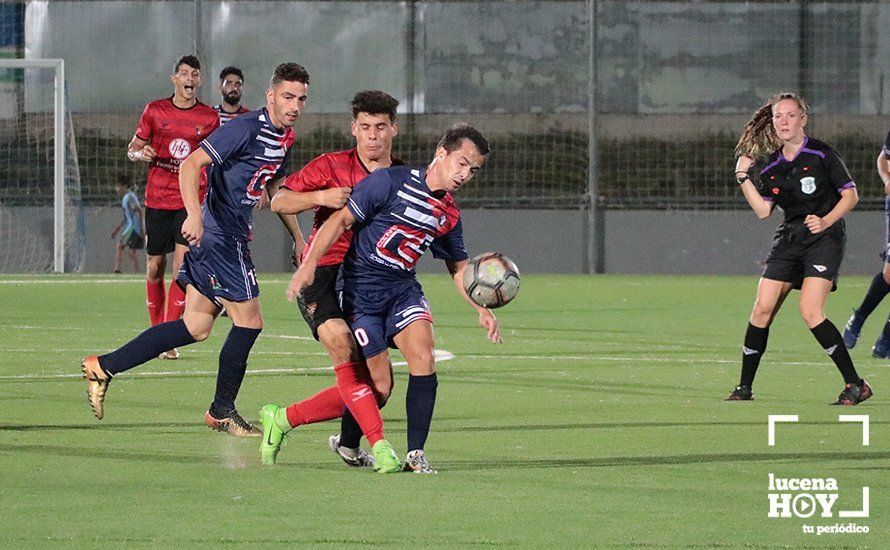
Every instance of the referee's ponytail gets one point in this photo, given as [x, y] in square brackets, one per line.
[759, 137]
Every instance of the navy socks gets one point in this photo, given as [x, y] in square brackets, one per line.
[232, 366]
[419, 404]
[147, 346]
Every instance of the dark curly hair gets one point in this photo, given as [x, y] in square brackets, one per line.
[291, 72]
[374, 102]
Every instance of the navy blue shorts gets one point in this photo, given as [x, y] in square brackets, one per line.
[377, 316]
[220, 268]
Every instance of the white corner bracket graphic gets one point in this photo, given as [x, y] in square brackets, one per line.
[863, 418]
[857, 513]
[773, 419]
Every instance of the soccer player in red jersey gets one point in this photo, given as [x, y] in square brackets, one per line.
[169, 130]
[324, 185]
[231, 86]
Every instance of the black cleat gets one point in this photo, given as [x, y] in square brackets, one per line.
[853, 394]
[741, 393]
[881, 349]
[852, 330]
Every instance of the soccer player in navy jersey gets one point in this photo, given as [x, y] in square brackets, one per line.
[880, 284]
[231, 88]
[169, 130]
[396, 214]
[808, 180]
[245, 156]
[324, 185]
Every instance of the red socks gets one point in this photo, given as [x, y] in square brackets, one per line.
[154, 301]
[356, 390]
[324, 405]
[175, 302]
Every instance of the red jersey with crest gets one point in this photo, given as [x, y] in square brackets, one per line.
[328, 171]
[173, 133]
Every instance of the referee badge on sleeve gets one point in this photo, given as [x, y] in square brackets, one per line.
[808, 185]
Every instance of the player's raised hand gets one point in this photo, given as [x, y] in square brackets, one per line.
[334, 197]
[744, 163]
[489, 322]
[148, 153]
[303, 277]
[193, 230]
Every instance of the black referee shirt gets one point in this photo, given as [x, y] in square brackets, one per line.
[810, 183]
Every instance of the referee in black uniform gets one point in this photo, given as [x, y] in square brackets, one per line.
[808, 180]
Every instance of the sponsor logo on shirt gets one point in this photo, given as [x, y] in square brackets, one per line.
[179, 148]
[808, 185]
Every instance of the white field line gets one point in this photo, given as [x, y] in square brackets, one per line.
[69, 329]
[440, 356]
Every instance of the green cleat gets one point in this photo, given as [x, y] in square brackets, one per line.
[386, 461]
[272, 434]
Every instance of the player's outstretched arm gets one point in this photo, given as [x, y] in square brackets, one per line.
[140, 150]
[487, 320]
[189, 187]
[287, 201]
[327, 235]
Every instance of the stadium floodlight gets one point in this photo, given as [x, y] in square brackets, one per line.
[23, 187]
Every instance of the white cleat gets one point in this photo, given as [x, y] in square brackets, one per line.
[416, 462]
[357, 458]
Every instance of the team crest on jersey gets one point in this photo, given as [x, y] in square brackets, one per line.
[808, 185]
[179, 148]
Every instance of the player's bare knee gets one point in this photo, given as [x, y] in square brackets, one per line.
[382, 390]
[422, 364]
[812, 316]
[199, 331]
[154, 269]
[341, 347]
[761, 315]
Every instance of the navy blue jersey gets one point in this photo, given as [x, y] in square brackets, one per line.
[247, 152]
[810, 183]
[397, 219]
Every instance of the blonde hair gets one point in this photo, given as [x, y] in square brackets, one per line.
[759, 137]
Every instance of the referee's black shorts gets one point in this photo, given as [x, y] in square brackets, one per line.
[319, 301]
[163, 228]
[796, 255]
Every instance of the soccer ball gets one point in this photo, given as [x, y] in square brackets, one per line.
[491, 280]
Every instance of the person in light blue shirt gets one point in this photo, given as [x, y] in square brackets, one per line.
[132, 235]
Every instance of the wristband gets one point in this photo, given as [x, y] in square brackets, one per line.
[741, 177]
[134, 155]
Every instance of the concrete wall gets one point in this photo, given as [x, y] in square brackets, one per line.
[552, 241]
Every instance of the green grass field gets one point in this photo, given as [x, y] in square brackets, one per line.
[599, 422]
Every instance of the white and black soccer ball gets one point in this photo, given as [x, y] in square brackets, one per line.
[491, 280]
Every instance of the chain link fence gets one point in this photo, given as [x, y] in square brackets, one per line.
[653, 94]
